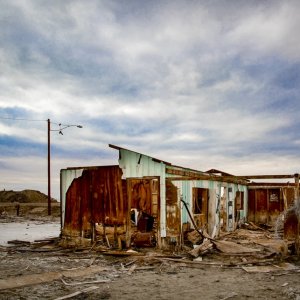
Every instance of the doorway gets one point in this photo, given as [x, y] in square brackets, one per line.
[200, 207]
[143, 223]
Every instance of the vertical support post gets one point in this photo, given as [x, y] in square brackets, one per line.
[128, 219]
[296, 176]
[49, 172]
[255, 205]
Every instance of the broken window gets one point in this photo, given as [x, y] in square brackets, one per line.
[274, 195]
[200, 200]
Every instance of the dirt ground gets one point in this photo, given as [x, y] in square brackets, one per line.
[44, 270]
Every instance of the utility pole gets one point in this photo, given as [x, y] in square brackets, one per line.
[49, 171]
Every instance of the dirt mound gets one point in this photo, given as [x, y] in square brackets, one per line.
[26, 196]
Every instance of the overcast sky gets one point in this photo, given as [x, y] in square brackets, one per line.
[201, 84]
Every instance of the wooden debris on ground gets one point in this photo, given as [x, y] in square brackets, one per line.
[246, 234]
[201, 249]
[271, 268]
[232, 247]
[84, 282]
[122, 253]
[19, 242]
[25, 280]
[279, 246]
[219, 264]
[87, 290]
[194, 237]
[131, 269]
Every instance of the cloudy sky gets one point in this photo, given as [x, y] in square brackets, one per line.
[202, 84]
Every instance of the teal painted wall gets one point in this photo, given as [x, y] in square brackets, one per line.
[185, 188]
[136, 165]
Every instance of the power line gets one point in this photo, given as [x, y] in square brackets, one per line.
[21, 119]
[32, 120]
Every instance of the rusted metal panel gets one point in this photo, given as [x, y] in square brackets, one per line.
[72, 220]
[66, 178]
[144, 239]
[266, 204]
[288, 196]
[141, 195]
[251, 205]
[96, 197]
[109, 206]
[173, 211]
[291, 226]
[261, 208]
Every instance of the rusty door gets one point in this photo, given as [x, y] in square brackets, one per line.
[261, 207]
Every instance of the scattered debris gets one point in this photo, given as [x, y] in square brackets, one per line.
[255, 251]
[232, 248]
[230, 295]
[25, 280]
[279, 246]
[271, 268]
[87, 290]
[201, 249]
[84, 282]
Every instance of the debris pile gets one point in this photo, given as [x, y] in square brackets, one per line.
[94, 268]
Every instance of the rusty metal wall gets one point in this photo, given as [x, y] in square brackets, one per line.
[173, 211]
[96, 197]
[66, 178]
[141, 197]
[265, 204]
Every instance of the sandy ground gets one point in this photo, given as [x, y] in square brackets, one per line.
[149, 275]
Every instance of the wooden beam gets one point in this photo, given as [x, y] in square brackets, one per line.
[212, 178]
[265, 176]
[128, 217]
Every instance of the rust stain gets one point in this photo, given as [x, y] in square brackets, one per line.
[173, 210]
[266, 204]
[96, 197]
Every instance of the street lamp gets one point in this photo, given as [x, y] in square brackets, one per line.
[61, 128]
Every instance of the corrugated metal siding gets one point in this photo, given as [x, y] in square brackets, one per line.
[66, 178]
[95, 197]
[136, 165]
[173, 211]
[185, 188]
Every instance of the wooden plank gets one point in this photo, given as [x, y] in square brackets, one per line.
[25, 280]
[278, 246]
[89, 289]
[265, 176]
[212, 263]
[231, 247]
[206, 245]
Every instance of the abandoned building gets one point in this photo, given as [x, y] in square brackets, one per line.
[145, 201]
